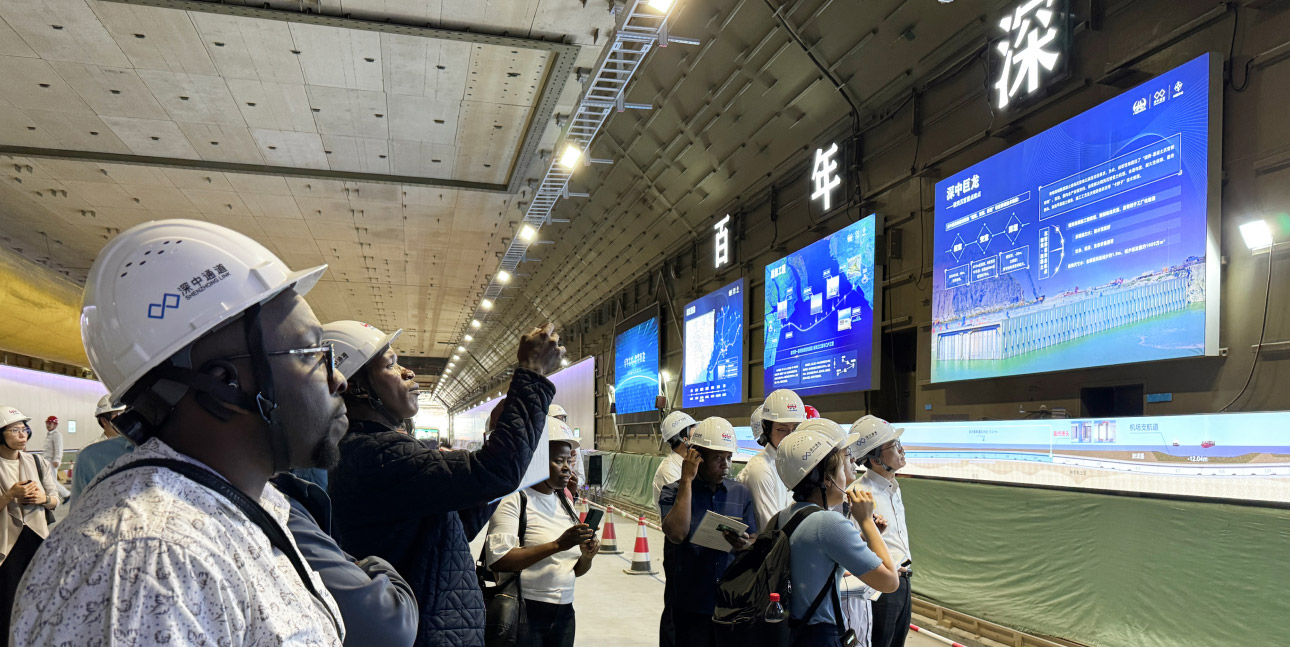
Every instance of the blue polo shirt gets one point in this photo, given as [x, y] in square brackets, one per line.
[693, 571]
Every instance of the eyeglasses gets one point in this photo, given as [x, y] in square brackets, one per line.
[329, 354]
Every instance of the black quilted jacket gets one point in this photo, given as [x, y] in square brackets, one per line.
[419, 508]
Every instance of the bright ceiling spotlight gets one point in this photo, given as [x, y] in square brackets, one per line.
[527, 233]
[456, 357]
[503, 276]
[452, 364]
[569, 158]
[564, 361]
[660, 6]
[468, 339]
[474, 323]
[486, 304]
[1257, 234]
[461, 349]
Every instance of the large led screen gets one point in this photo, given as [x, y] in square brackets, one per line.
[819, 315]
[1227, 456]
[636, 364]
[1092, 243]
[714, 348]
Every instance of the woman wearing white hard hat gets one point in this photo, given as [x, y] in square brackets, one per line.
[204, 333]
[579, 470]
[97, 455]
[781, 413]
[815, 466]
[536, 533]
[676, 433]
[879, 449]
[693, 570]
[26, 482]
[419, 507]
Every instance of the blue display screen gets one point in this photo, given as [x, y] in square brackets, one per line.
[636, 368]
[1082, 246]
[714, 348]
[819, 317]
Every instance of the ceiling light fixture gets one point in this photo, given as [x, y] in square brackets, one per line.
[503, 276]
[660, 6]
[461, 349]
[564, 361]
[456, 357]
[474, 323]
[468, 338]
[569, 158]
[527, 233]
[486, 304]
[1257, 234]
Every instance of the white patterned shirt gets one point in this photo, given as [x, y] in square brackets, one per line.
[150, 557]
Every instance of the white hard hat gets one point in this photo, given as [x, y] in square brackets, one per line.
[716, 434]
[800, 453]
[355, 343]
[830, 429]
[556, 410]
[10, 415]
[105, 406]
[872, 432]
[783, 405]
[755, 420]
[557, 430]
[160, 286]
[675, 423]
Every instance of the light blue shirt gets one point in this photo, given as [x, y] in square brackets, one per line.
[91, 460]
[825, 542]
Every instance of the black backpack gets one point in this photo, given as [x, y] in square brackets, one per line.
[744, 590]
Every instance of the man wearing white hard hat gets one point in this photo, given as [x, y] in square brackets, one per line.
[431, 504]
[782, 412]
[676, 433]
[536, 533]
[97, 455]
[813, 463]
[880, 450]
[205, 335]
[693, 571]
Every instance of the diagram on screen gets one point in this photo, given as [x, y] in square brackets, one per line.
[714, 343]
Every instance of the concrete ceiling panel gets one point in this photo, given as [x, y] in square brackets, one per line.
[156, 40]
[136, 174]
[216, 204]
[424, 119]
[152, 137]
[17, 129]
[298, 150]
[159, 198]
[273, 106]
[514, 16]
[246, 48]
[424, 67]
[113, 91]
[261, 184]
[283, 228]
[11, 44]
[193, 98]
[271, 206]
[223, 143]
[423, 159]
[413, 11]
[325, 209]
[339, 58]
[75, 131]
[490, 132]
[326, 231]
[349, 112]
[317, 188]
[505, 75]
[33, 83]
[200, 180]
[63, 30]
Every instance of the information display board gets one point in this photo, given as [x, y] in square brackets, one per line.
[1092, 243]
[636, 363]
[1228, 456]
[714, 348]
[819, 315]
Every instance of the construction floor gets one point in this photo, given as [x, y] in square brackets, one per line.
[614, 608]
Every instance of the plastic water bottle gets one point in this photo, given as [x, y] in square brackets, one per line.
[774, 610]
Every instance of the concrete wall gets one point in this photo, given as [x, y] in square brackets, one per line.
[897, 173]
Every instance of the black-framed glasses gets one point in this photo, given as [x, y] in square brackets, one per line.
[329, 354]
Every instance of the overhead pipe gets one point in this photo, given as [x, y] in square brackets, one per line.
[40, 312]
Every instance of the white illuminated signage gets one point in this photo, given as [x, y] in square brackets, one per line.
[1032, 49]
[824, 175]
[722, 242]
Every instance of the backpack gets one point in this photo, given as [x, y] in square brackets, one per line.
[744, 590]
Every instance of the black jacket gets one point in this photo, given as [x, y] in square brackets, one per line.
[419, 508]
[376, 603]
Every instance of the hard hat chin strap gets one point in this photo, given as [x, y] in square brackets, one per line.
[266, 400]
[374, 403]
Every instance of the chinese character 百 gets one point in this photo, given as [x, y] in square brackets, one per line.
[723, 241]
[823, 175]
[1032, 28]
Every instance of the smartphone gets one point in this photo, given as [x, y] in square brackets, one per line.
[594, 516]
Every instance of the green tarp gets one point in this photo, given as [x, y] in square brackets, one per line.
[1108, 571]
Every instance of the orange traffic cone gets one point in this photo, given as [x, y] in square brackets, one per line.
[641, 565]
[608, 538]
[582, 510]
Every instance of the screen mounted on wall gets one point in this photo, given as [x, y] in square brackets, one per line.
[1092, 243]
[636, 354]
[714, 348]
[820, 315]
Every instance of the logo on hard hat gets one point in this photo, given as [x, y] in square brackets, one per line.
[169, 301]
[725, 435]
[791, 407]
